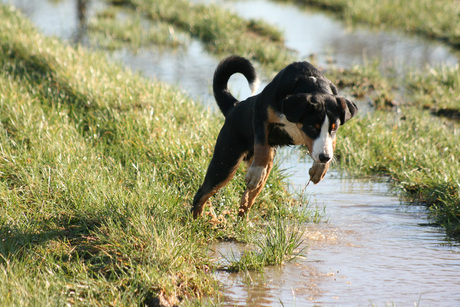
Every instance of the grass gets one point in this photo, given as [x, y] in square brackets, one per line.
[97, 170]
[422, 159]
[437, 89]
[220, 31]
[431, 19]
[280, 243]
[117, 27]
[98, 165]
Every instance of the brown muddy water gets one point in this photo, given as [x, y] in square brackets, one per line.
[372, 250]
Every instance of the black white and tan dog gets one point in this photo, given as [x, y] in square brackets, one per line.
[298, 107]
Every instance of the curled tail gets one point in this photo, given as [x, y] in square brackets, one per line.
[224, 71]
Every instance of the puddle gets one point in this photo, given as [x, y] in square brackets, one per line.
[382, 253]
[308, 32]
[64, 19]
[311, 32]
[373, 250]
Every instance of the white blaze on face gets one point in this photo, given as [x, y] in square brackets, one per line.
[323, 143]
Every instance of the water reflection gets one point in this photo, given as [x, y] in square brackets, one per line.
[371, 251]
[190, 68]
[66, 19]
[312, 32]
[82, 6]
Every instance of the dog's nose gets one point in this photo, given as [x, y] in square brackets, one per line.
[323, 158]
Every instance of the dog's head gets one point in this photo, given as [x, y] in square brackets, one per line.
[318, 117]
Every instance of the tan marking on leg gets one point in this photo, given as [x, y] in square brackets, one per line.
[256, 171]
[261, 155]
[262, 151]
[249, 196]
[249, 162]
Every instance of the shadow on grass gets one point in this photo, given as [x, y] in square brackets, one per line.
[79, 245]
[17, 241]
[67, 239]
[45, 84]
[40, 74]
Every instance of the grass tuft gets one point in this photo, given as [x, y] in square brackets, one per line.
[280, 243]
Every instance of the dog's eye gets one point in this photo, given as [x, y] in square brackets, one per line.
[334, 127]
[317, 127]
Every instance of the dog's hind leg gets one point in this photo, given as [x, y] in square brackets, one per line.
[221, 170]
[249, 196]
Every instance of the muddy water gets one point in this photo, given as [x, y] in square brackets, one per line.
[372, 250]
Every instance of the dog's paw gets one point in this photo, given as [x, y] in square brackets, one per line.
[318, 171]
[255, 176]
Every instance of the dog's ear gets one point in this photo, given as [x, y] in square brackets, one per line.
[333, 88]
[294, 106]
[349, 109]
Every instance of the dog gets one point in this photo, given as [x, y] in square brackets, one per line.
[299, 106]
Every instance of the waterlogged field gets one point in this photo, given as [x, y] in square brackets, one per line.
[404, 139]
[98, 165]
[222, 32]
[97, 169]
[405, 104]
[432, 19]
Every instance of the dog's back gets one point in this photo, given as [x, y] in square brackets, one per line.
[224, 71]
[299, 106]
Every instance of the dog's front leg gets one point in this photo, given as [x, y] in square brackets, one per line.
[262, 151]
[259, 167]
[250, 195]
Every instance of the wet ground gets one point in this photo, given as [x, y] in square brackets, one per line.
[311, 32]
[373, 249]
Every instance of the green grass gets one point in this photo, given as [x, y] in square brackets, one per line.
[280, 243]
[117, 27]
[220, 31]
[418, 151]
[98, 167]
[434, 19]
[436, 89]
[430, 88]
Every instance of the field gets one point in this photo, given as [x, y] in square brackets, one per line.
[97, 170]
[418, 119]
[98, 165]
[432, 19]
